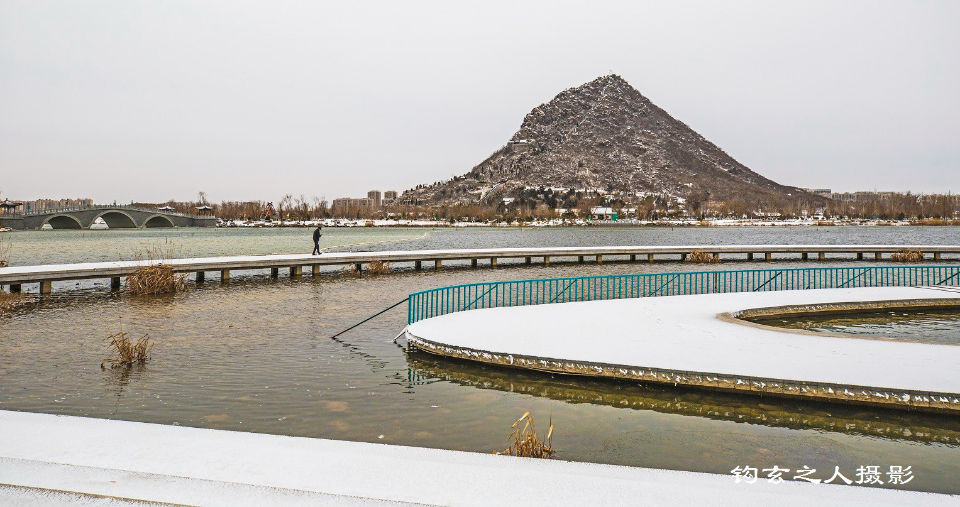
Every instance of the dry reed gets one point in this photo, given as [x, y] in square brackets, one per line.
[125, 352]
[525, 442]
[378, 268]
[155, 279]
[907, 255]
[825, 223]
[9, 301]
[701, 257]
[350, 271]
[6, 245]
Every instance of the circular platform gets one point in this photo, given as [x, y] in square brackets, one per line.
[697, 340]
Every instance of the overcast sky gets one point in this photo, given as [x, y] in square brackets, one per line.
[126, 100]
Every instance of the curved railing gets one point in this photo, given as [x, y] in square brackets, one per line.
[458, 298]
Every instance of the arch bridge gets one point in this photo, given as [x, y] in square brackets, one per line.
[116, 217]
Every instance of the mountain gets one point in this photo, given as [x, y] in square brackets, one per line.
[606, 138]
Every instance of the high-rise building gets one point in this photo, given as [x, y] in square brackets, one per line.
[390, 197]
[374, 195]
[349, 202]
[52, 204]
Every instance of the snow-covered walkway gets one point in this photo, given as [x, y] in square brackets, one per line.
[55, 459]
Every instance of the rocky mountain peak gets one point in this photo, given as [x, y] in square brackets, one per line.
[605, 137]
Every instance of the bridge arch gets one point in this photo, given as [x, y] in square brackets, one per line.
[117, 219]
[158, 221]
[63, 222]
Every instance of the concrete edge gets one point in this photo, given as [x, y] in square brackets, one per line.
[853, 307]
[926, 401]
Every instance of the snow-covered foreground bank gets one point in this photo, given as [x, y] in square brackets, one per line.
[688, 340]
[48, 458]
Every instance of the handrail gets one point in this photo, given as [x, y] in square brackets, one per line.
[443, 300]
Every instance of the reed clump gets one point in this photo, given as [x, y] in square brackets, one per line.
[378, 268]
[825, 223]
[701, 257]
[9, 301]
[907, 255]
[155, 279]
[6, 245]
[525, 442]
[351, 271]
[126, 352]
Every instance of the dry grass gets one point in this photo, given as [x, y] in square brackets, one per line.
[525, 442]
[907, 255]
[701, 257]
[350, 271]
[373, 268]
[9, 301]
[6, 245]
[378, 268]
[155, 279]
[825, 223]
[127, 353]
[159, 251]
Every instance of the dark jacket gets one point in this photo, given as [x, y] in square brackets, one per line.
[316, 235]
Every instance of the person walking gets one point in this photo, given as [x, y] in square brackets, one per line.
[316, 240]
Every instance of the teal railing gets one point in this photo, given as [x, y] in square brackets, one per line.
[457, 298]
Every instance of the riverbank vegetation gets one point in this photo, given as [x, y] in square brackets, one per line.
[546, 204]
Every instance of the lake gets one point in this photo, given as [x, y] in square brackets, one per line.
[256, 355]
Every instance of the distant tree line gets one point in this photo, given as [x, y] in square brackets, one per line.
[533, 204]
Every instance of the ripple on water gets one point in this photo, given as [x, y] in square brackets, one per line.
[255, 355]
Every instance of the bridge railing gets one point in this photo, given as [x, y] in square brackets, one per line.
[458, 298]
[73, 209]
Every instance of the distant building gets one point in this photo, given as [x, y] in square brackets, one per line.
[52, 204]
[389, 197]
[349, 202]
[374, 196]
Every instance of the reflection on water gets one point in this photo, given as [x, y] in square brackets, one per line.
[853, 420]
[935, 326]
[255, 355]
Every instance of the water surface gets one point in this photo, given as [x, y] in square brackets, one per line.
[256, 355]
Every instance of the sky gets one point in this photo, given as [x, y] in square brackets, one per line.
[130, 100]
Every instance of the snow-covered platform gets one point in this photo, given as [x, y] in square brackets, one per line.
[697, 340]
[48, 459]
[15, 276]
